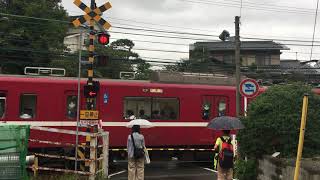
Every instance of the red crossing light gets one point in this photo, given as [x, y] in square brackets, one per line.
[103, 38]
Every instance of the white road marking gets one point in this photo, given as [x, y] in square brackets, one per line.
[208, 169]
[117, 173]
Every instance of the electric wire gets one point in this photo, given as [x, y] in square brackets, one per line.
[314, 28]
[173, 32]
[302, 12]
[162, 31]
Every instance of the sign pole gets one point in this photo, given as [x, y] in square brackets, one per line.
[78, 101]
[245, 100]
[301, 136]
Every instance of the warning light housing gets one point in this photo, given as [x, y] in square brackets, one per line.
[103, 38]
[91, 91]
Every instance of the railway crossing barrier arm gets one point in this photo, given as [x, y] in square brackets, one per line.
[94, 170]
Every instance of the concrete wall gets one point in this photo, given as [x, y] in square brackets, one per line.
[193, 78]
[274, 169]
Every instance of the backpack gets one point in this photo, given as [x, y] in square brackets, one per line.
[137, 152]
[226, 154]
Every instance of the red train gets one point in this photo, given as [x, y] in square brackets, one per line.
[180, 112]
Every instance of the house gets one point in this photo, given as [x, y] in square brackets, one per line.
[72, 39]
[259, 53]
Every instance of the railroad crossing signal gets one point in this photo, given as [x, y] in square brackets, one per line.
[103, 38]
[91, 91]
[92, 14]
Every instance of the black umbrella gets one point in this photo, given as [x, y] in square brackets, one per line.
[225, 123]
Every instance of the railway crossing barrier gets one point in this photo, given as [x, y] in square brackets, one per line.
[98, 162]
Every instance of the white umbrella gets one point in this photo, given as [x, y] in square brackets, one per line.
[143, 123]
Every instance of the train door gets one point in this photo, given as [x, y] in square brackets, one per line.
[214, 106]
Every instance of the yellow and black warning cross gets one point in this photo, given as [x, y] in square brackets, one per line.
[92, 14]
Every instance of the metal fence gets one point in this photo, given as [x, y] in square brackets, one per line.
[97, 163]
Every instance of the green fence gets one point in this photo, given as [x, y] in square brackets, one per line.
[13, 151]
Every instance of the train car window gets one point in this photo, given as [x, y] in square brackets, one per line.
[28, 104]
[165, 108]
[213, 106]
[2, 105]
[72, 101]
[137, 107]
[222, 107]
[206, 110]
[151, 108]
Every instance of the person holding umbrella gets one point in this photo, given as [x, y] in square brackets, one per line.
[224, 144]
[135, 163]
[225, 162]
[137, 149]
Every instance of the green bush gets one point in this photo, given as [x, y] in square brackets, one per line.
[273, 123]
[245, 170]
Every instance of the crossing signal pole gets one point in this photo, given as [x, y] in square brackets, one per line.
[91, 89]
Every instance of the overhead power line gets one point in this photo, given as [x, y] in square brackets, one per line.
[269, 4]
[170, 32]
[160, 50]
[179, 27]
[248, 6]
[314, 28]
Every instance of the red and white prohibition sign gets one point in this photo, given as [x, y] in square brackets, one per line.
[249, 88]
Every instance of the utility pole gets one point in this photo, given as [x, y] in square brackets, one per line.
[237, 61]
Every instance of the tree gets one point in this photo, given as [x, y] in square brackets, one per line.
[28, 41]
[273, 123]
[69, 63]
[120, 58]
[143, 71]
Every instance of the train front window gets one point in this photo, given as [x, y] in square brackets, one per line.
[72, 101]
[28, 104]
[151, 108]
[2, 105]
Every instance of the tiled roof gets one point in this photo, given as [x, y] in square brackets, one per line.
[245, 45]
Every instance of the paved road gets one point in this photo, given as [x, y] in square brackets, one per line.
[171, 170]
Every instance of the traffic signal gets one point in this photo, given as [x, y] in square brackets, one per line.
[91, 91]
[103, 38]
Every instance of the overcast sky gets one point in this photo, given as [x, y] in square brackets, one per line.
[272, 19]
